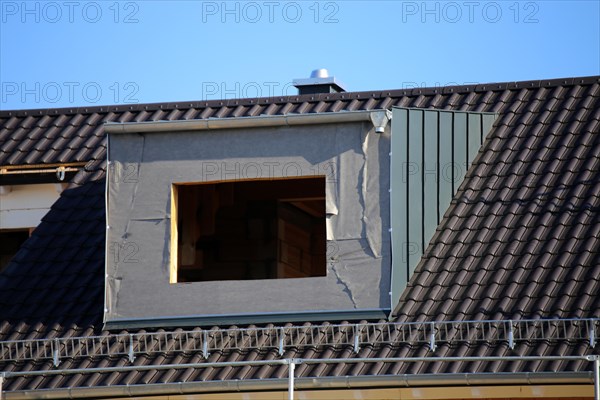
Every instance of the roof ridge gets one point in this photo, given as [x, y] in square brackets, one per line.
[432, 90]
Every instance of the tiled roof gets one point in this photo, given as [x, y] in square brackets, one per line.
[520, 240]
[67, 135]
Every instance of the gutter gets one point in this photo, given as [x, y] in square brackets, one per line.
[379, 119]
[306, 383]
[324, 383]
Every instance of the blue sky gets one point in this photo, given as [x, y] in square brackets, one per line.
[87, 53]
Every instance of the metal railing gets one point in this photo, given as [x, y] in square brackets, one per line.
[204, 342]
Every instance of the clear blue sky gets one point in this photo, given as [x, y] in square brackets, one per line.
[86, 53]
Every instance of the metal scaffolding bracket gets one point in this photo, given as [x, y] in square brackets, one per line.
[281, 337]
[356, 338]
[596, 360]
[432, 344]
[131, 354]
[291, 375]
[55, 353]
[205, 352]
[511, 335]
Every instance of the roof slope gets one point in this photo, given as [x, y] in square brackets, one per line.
[521, 238]
[68, 135]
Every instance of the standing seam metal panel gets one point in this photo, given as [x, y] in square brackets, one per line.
[431, 153]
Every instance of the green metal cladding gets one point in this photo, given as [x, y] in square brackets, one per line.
[431, 153]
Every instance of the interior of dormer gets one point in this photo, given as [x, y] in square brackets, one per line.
[253, 229]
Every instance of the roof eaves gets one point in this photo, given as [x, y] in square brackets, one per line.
[310, 383]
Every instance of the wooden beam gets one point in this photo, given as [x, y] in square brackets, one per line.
[174, 238]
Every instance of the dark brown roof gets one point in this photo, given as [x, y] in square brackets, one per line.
[67, 135]
[520, 240]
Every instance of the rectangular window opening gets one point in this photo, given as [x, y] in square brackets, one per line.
[251, 229]
[10, 243]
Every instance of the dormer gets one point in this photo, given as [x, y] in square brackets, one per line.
[273, 218]
[27, 193]
[253, 219]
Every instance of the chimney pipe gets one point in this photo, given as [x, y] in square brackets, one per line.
[319, 82]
